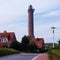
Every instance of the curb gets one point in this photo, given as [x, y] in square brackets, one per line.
[36, 56]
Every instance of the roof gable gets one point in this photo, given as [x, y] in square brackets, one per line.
[8, 35]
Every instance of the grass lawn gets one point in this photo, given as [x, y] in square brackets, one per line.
[57, 52]
[7, 51]
[54, 54]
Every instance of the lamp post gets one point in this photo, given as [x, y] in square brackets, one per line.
[53, 30]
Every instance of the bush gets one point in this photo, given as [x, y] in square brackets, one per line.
[54, 54]
[57, 47]
[16, 45]
[25, 42]
[7, 51]
[32, 46]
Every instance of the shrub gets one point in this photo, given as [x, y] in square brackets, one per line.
[16, 45]
[25, 43]
[32, 46]
[7, 51]
[57, 47]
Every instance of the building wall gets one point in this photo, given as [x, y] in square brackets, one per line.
[10, 37]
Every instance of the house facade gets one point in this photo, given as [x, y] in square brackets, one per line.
[6, 38]
[39, 42]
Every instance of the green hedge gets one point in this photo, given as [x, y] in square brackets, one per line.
[7, 51]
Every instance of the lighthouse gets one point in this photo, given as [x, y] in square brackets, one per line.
[39, 41]
[30, 22]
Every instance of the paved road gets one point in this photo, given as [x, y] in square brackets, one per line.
[22, 56]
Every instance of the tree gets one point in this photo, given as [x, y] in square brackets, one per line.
[16, 45]
[32, 46]
[25, 43]
[59, 41]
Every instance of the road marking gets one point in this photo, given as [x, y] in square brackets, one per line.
[36, 56]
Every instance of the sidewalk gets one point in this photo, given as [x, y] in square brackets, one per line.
[41, 57]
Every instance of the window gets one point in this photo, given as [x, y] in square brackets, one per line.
[0, 40]
[38, 44]
[3, 39]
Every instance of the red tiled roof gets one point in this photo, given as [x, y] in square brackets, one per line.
[39, 42]
[9, 36]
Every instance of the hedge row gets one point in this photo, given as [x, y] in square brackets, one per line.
[7, 51]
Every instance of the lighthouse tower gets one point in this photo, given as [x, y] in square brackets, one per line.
[39, 41]
[30, 22]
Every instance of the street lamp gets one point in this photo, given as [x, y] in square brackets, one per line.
[53, 29]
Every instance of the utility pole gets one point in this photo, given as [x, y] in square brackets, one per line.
[53, 30]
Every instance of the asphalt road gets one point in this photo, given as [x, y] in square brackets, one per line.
[22, 56]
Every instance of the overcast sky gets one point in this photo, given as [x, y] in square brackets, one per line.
[14, 18]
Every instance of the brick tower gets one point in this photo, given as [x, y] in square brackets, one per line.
[30, 22]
